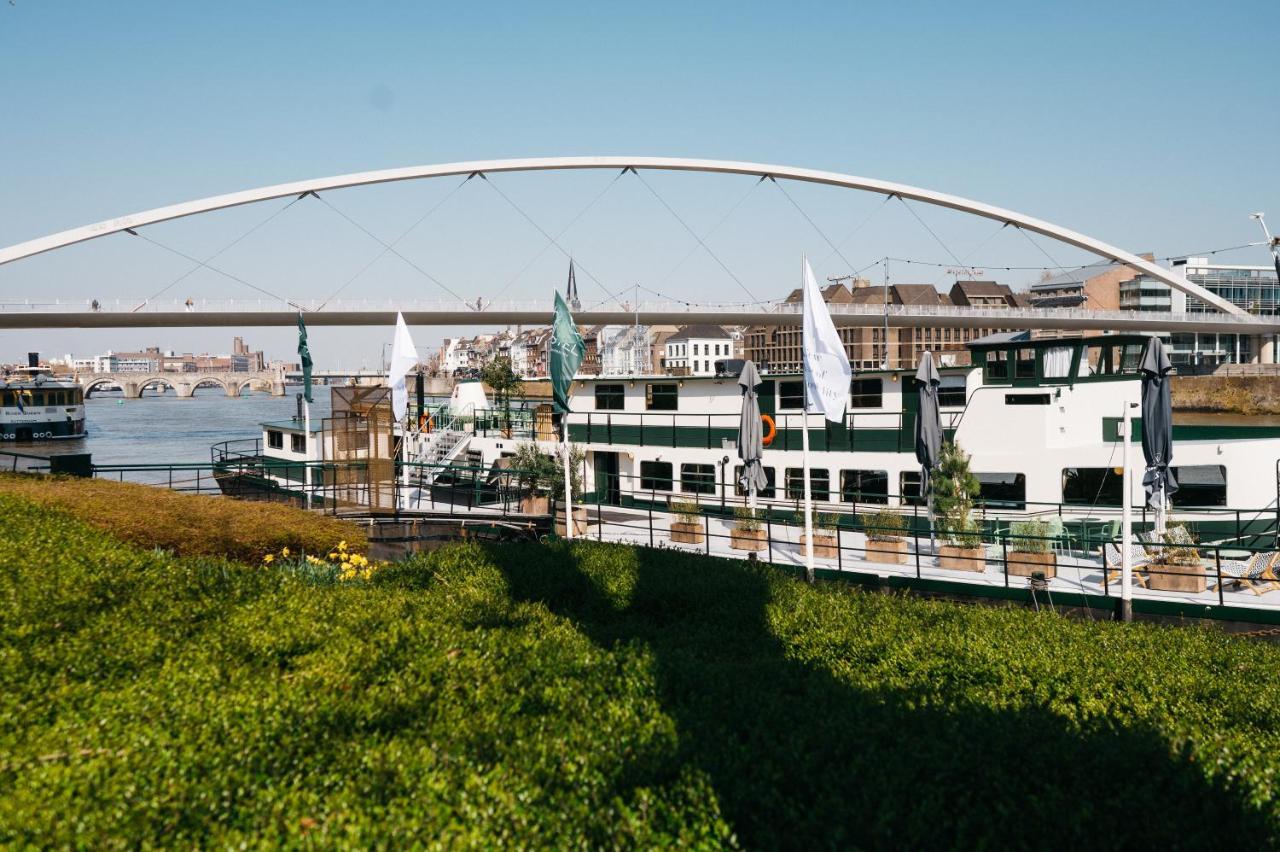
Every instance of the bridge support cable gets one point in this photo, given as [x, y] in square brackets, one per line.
[211, 268]
[391, 246]
[555, 241]
[388, 246]
[1042, 250]
[215, 255]
[812, 223]
[933, 234]
[692, 251]
[854, 232]
[964, 262]
[568, 255]
[694, 234]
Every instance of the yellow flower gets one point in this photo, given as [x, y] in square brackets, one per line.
[342, 545]
[333, 554]
[268, 558]
[312, 560]
[284, 551]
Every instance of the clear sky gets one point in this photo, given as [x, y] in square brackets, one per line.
[1153, 126]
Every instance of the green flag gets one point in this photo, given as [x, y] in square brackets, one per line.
[567, 350]
[304, 353]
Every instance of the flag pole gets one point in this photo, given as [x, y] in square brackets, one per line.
[804, 460]
[568, 477]
[306, 471]
[1126, 521]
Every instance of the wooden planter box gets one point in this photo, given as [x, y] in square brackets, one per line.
[579, 522]
[531, 504]
[892, 551]
[1026, 564]
[1176, 578]
[747, 539]
[825, 545]
[955, 558]
[683, 532]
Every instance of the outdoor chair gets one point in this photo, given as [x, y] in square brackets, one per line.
[1257, 573]
[1112, 562]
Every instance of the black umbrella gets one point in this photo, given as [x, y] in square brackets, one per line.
[1157, 427]
[928, 426]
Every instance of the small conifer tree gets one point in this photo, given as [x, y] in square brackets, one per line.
[954, 490]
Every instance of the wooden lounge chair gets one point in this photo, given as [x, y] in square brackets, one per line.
[1112, 562]
[1257, 573]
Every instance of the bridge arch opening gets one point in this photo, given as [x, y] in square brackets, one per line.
[208, 382]
[163, 385]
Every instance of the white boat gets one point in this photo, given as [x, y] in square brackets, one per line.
[37, 406]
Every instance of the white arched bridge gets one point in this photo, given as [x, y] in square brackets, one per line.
[1228, 317]
[134, 384]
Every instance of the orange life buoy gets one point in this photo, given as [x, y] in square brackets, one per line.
[425, 422]
[770, 430]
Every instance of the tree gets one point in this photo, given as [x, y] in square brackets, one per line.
[954, 490]
[502, 380]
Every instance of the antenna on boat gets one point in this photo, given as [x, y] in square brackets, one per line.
[1272, 242]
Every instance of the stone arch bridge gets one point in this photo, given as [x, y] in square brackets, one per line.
[134, 384]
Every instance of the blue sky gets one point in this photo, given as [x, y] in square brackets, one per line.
[1149, 125]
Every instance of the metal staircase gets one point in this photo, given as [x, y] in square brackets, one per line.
[440, 447]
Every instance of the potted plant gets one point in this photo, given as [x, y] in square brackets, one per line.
[502, 380]
[954, 490]
[687, 527]
[535, 476]
[747, 532]
[576, 459]
[886, 540]
[826, 530]
[1030, 550]
[1175, 564]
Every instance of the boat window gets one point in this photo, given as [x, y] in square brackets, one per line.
[77, 397]
[866, 393]
[770, 475]
[1130, 358]
[1025, 366]
[791, 395]
[1092, 486]
[298, 443]
[275, 440]
[1200, 485]
[661, 397]
[7, 398]
[1057, 362]
[952, 392]
[1026, 399]
[997, 364]
[1009, 490]
[609, 398]
[656, 476]
[819, 483]
[909, 488]
[698, 478]
[864, 486]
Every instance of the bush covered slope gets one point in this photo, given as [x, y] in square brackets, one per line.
[186, 524]
[598, 695]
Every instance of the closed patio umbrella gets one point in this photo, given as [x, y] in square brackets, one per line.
[928, 428]
[751, 435]
[1157, 429]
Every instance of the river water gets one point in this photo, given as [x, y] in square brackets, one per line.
[163, 429]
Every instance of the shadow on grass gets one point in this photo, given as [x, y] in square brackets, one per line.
[800, 759]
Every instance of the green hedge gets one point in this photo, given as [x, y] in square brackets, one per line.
[598, 696]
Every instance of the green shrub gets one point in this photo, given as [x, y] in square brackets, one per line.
[885, 525]
[747, 519]
[825, 523]
[687, 511]
[1030, 537]
[598, 696]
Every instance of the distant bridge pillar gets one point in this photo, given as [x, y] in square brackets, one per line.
[185, 390]
[132, 390]
[277, 387]
[233, 389]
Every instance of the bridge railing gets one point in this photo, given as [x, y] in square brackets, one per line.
[773, 308]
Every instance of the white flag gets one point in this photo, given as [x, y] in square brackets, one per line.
[826, 367]
[404, 357]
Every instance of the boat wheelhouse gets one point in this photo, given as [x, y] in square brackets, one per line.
[37, 406]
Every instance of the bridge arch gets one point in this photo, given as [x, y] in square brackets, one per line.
[156, 382]
[208, 381]
[94, 384]
[762, 170]
[255, 383]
